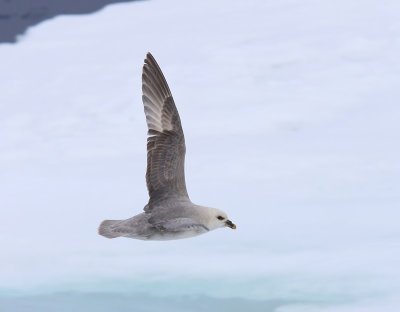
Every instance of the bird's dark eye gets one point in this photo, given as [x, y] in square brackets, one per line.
[220, 218]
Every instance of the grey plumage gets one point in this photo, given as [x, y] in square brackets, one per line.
[169, 213]
[166, 148]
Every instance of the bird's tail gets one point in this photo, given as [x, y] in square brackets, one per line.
[107, 229]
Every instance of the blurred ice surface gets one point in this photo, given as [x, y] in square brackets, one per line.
[291, 106]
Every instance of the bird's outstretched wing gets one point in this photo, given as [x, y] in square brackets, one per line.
[165, 174]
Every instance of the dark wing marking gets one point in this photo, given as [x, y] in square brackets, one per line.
[165, 174]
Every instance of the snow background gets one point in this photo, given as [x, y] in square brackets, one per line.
[290, 112]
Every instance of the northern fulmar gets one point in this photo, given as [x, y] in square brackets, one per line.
[169, 214]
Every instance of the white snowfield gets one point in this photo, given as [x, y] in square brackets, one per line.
[291, 106]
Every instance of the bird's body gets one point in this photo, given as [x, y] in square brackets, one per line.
[142, 227]
[169, 213]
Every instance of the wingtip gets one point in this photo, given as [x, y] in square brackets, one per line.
[149, 56]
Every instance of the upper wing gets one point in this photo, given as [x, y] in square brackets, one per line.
[165, 174]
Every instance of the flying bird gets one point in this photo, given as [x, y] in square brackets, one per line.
[169, 213]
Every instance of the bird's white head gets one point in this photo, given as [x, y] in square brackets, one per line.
[218, 219]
